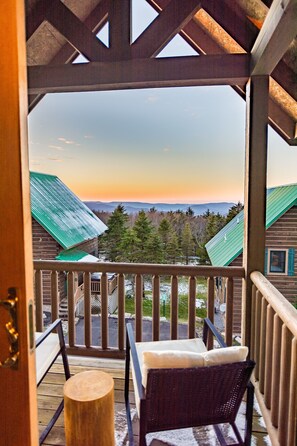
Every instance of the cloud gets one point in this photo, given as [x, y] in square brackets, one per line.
[66, 141]
[166, 149]
[57, 160]
[88, 136]
[55, 147]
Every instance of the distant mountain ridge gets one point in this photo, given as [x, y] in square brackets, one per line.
[133, 207]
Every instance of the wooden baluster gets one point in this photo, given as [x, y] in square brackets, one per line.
[138, 306]
[229, 312]
[276, 358]
[71, 308]
[87, 309]
[156, 308]
[292, 428]
[284, 393]
[257, 332]
[263, 334]
[121, 311]
[253, 323]
[54, 296]
[268, 362]
[210, 307]
[174, 308]
[104, 310]
[192, 308]
[39, 300]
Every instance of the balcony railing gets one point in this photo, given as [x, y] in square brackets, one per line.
[274, 348]
[155, 273]
[274, 324]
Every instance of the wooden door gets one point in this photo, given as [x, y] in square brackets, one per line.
[18, 407]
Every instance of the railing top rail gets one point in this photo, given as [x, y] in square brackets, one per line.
[279, 303]
[140, 268]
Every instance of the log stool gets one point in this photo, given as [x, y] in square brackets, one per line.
[89, 409]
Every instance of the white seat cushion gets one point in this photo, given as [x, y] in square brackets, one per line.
[225, 355]
[46, 352]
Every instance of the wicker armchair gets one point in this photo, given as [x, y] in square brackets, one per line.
[176, 398]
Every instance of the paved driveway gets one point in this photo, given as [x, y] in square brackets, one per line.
[113, 330]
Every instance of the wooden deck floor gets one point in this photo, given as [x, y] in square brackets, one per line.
[51, 390]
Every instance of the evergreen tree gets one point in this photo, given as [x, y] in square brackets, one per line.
[233, 211]
[154, 252]
[187, 242]
[112, 238]
[164, 230]
[172, 253]
[143, 229]
[128, 249]
[190, 212]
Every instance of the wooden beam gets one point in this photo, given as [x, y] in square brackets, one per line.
[230, 16]
[169, 22]
[67, 54]
[120, 29]
[229, 69]
[75, 31]
[275, 36]
[254, 191]
[35, 17]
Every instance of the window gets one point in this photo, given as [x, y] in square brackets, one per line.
[277, 261]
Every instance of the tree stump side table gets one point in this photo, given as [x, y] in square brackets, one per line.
[89, 409]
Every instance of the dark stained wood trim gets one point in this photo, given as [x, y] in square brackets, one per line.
[35, 18]
[228, 69]
[282, 123]
[95, 21]
[75, 31]
[232, 19]
[169, 22]
[254, 191]
[120, 29]
[276, 34]
[230, 16]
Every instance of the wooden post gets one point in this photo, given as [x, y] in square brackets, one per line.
[18, 408]
[255, 191]
[89, 409]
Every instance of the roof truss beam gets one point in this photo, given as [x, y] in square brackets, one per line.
[229, 69]
[75, 31]
[169, 23]
[276, 34]
[120, 29]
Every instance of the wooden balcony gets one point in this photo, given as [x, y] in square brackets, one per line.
[51, 391]
[273, 325]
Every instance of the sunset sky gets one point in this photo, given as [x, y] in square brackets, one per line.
[162, 145]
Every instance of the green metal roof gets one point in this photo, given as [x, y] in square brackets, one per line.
[227, 244]
[61, 213]
[76, 255]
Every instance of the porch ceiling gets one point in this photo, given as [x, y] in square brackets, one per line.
[235, 39]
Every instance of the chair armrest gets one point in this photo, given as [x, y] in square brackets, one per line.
[208, 325]
[57, 324]
[134, 357]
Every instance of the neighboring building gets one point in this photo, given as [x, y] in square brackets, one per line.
[63, 227]
[225, 248]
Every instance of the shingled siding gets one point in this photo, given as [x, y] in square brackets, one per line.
[45, 247]
[281, 235]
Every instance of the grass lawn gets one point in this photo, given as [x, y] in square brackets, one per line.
[165, 307]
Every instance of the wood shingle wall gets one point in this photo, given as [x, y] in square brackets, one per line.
[281, 235]
[45, 247]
